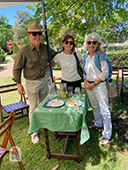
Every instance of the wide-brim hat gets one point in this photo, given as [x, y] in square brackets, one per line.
[33, 26]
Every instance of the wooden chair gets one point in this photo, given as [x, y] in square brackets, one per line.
[57, 80]
[124, 84]
[115, 72]
[17, 107]
[5, 129]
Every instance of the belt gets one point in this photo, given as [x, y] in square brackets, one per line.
[90, 81]
[93, 82]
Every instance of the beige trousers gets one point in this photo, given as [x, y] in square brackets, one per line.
[36, 90]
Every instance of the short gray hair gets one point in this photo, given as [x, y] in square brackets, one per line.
[95, 36]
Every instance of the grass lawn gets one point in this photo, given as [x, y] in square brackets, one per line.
[94, 156]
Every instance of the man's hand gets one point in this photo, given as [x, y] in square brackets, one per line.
[20, 89]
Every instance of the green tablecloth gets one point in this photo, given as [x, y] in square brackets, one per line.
[63, 119]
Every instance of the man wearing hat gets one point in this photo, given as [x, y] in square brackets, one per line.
[32, 59]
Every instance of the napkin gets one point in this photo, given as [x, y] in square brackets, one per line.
[45, 104]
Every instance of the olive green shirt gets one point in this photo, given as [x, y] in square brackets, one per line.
[32, 63]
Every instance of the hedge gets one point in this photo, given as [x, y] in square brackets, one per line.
[118, 59]
[115, 48]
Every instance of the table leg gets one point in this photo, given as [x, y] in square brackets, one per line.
[55, 135]
[48, 154]
[65, 156]
[66, 144]
[78, 145]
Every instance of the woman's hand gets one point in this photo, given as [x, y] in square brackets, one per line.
[102, 51]
[73, 51]
[87, 85]
[53, 63]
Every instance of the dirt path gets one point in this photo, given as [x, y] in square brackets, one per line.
[7, 70]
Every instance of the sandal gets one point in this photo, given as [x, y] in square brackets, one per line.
[93, 126]
[104, 141]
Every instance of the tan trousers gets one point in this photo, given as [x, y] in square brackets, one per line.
[36, 90]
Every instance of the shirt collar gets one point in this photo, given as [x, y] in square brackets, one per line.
[32, 46]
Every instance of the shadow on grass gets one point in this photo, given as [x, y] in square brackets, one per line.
[91, 152]
[120, 118]
[94, 156]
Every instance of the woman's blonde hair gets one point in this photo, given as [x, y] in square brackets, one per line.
[93, 35]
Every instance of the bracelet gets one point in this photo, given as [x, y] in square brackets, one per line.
[94, 83]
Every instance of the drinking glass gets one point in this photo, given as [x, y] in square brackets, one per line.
[51, 90]
[77, 92]
[70, 91]
[63, 90]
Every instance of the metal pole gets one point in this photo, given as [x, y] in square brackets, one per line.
[46, 33]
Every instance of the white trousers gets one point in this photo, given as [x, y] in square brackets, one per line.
[98, 98]
[36, 90]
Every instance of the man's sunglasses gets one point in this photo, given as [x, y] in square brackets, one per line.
[35, 33]
[70, 42]
[93, 42]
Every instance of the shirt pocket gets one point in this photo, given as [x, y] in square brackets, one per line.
[43, 62]
[32, 62]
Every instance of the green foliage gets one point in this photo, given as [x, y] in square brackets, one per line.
[106, 17]
[15, 48]
[118, 58]
[1, 51]
[116, 31]
[22, 19]
[5, 32]
[115, 48]
[25, 40]
[2, 55]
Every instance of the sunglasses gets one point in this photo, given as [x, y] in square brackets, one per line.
[35, 33]
[70, 42]
[93, 42]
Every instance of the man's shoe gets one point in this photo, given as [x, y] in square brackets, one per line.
[34, 138]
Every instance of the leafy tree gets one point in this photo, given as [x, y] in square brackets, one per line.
[66, 15]
[121, 26]
[22, 19]
[5, 32]
[115, 32]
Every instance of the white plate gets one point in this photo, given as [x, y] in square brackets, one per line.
[79, 103]
[55, 103]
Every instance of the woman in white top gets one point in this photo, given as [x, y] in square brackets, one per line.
[96, 70]
[68, 62]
